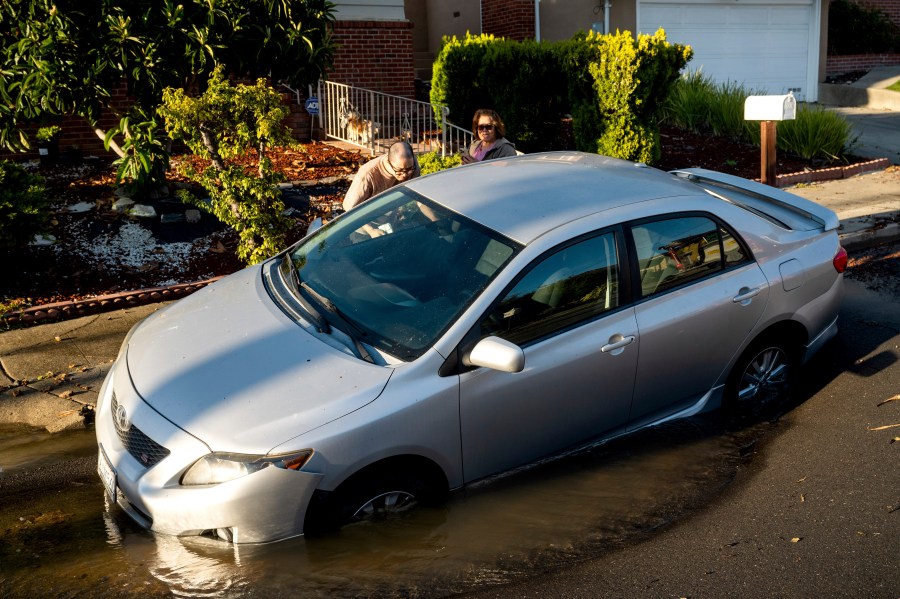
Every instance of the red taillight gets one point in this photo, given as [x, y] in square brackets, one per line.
[840, 260]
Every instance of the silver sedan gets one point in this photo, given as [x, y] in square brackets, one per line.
[458, 326]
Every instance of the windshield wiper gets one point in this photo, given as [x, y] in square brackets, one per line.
[317, 319]
[350, 328]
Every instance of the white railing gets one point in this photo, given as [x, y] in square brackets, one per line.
[374, 120]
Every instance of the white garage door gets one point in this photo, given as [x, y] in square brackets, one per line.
[766, 46]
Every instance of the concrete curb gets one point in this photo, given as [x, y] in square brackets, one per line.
[869, 232]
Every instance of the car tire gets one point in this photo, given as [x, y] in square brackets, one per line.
[371, 496]
[760, 382]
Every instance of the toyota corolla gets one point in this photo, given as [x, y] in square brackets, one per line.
[458, 326]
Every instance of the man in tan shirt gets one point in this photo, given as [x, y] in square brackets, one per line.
[379, 174]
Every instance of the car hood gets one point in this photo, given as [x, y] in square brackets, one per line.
[227, 366]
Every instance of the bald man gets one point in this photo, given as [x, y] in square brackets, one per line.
[379, 174]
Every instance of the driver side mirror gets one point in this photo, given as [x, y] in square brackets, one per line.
[497, 354]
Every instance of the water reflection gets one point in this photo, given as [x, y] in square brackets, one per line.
[569, 509]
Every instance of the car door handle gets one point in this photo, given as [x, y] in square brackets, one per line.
[745, 294]
[617, 342]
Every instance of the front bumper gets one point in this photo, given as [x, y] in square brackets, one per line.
[268, 505]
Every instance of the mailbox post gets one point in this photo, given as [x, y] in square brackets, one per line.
[768, 110]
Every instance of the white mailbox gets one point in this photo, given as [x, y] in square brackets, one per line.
[770, 108]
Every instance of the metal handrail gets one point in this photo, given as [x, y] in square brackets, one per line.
[375, 120]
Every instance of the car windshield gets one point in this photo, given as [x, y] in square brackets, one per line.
[400, 269]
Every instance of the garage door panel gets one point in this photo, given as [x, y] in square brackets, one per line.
[762, 45]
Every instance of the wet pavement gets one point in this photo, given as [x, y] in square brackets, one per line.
[67, 541]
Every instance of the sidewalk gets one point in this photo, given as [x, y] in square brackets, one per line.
[50, 374]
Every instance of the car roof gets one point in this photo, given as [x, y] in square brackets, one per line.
[526, 196]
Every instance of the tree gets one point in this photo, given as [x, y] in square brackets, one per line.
[226, 122]
[66, 57]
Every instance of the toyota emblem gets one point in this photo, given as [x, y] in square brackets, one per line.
[121, 418]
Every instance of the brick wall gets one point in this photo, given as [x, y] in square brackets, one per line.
[376, 55]
[512, 19]
[835, 65]
[77, 135]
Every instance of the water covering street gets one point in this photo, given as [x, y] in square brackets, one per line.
[67, 541]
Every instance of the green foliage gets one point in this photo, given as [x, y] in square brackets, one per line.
[613, 86]
[726, 116]
[631, 80]
[252, 206]
[699, 105]
[518, 79]
[225, 122]
[854, 28]
[689, 104]
[47, 134]
[67, 58]
[433, 162]
[23, 205]
[144, 157]
[815, 134]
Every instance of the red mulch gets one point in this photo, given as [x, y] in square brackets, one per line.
[41, 275]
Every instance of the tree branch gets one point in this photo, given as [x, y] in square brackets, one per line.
[112, 143]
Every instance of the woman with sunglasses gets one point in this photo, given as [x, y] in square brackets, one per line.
[489, 132]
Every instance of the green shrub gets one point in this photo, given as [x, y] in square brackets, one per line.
[690, 102]
[700, 106]
[23, 205]
[518, 79]
[46, 134]
[433, 162]
[855, 28]
[726, 115]
[631, 81]
[816, 134]
[225, 122]
[612, 85]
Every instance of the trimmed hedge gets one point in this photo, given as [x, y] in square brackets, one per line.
[612, 85]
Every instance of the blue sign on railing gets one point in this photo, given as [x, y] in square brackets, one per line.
[312, 105]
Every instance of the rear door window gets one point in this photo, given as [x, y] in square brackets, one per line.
[675, 251]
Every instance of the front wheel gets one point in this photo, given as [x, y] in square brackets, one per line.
[760, 382]
[372, 496]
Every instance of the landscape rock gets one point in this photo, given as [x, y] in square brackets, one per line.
[43, 240]
[123, 205]
[142, 211]
[80, 207]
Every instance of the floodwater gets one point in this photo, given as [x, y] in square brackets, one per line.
[67, 541]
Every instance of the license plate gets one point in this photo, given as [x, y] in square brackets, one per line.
[107, 474]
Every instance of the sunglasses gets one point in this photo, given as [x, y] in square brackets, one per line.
[485, 127]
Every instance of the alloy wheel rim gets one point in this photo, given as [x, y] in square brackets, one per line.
[765, 377]
[384, 504]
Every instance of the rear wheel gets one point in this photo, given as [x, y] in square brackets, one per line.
[760, 382]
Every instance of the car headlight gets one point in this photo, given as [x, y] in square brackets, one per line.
[216, 468]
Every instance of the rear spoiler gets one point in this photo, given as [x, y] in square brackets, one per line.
[788, 201]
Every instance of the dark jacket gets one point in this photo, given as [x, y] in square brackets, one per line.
[502, 148]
